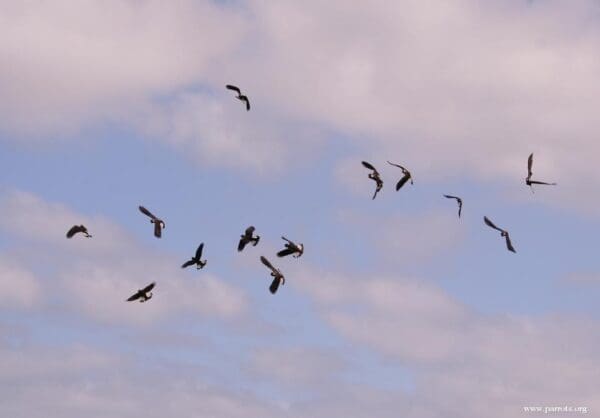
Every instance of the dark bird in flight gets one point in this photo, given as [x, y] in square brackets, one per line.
[143, 294]
[528, 180]
[503, 233]
[278, 278]
[248, 237]
[240, 96]
[458, 200]
[159, 225]
[407, 176]
[291, 248]
[196, 259]
[374, 175]
[76, 229]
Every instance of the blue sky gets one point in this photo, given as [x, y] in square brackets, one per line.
[396, 305]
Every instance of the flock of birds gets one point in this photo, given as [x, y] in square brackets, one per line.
[406, 176]
[290, 247]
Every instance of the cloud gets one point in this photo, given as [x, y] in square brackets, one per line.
[464, 362]
[19, 288]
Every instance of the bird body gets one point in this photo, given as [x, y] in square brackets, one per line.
[406, 176]
[503, 233]
[291, 248]
[528, 180]
[240, 96]
[248, 237]
[78, 229]
[458, 200]
[374, 175]
[196, 259]
[142, 294]
[159, 224]
[278, 277]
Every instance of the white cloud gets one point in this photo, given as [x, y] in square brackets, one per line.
[19, 288]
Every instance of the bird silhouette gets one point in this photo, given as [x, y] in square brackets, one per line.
[291, 248]
[407, 176]
[158, 223]
[240, 96]
[143, 294]
[77, 229]
[247, 238]
[196, 259]
[503, 233]
[278, 277]
[528, 180]
[374, 175]
[458, 200]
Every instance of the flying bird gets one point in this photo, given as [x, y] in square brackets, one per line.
[76, 229]
[458, 200]
[528, 180]
[278, 278]
[159, 225]
[247, 238]
[240, 96]
[503, 233]
[374, 175]
[143, 294]
[407, 176]
[196, 259]
[291, 248]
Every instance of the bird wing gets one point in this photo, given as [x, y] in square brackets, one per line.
[285, 252]
[275, 285]
[74, 229]
[146, 212]
[199, 251]
[157, 229]
[268, 264]
[249, 231]
[404, 170]
[509, 244]
[451, 197]
[285, 239]
[369, 166]
[149, 287]
[402, 182]
[245, 99]
[242, 244]
[541, 182]
[135, 296]
[188, 263]
[459, 206]
[529, 165]
[234, 88]
[491, 224]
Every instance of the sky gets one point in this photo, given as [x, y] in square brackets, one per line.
[397, 307]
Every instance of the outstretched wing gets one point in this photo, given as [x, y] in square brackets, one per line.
[529, 165]
[199, 251]
[146, 212]
[74, 229]
[242, 244]
[285, 252]
[402, 181]
[275, 285]
[157, 229]
[149, 287]
[509, 244]
[268, 264]
[541, 182]
[249, 231]
[234, 88]
[398, 165]
[459, 207]
[188, 263]
[451, 197]
[369, 166]
[491, 224]
[135, 296]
